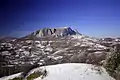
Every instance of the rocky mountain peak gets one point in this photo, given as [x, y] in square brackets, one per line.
[56, 32]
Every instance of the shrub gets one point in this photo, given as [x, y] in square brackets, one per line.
[34, 75]
[113, 61]
[37, 74]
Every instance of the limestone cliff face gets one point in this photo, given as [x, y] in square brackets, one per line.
[57, 32]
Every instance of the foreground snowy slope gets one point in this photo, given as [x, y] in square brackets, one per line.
[75, 71]
[70, 71]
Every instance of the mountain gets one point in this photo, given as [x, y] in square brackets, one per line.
[51, 46]
[54, 32]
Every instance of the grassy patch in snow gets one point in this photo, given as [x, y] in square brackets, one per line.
[37, 74]
[34, 75]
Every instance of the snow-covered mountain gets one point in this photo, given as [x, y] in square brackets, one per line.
[51, 46]
[54, 32]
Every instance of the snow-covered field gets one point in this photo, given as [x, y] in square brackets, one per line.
[71, 71]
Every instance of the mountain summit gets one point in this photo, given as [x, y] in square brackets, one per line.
[55, 32]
